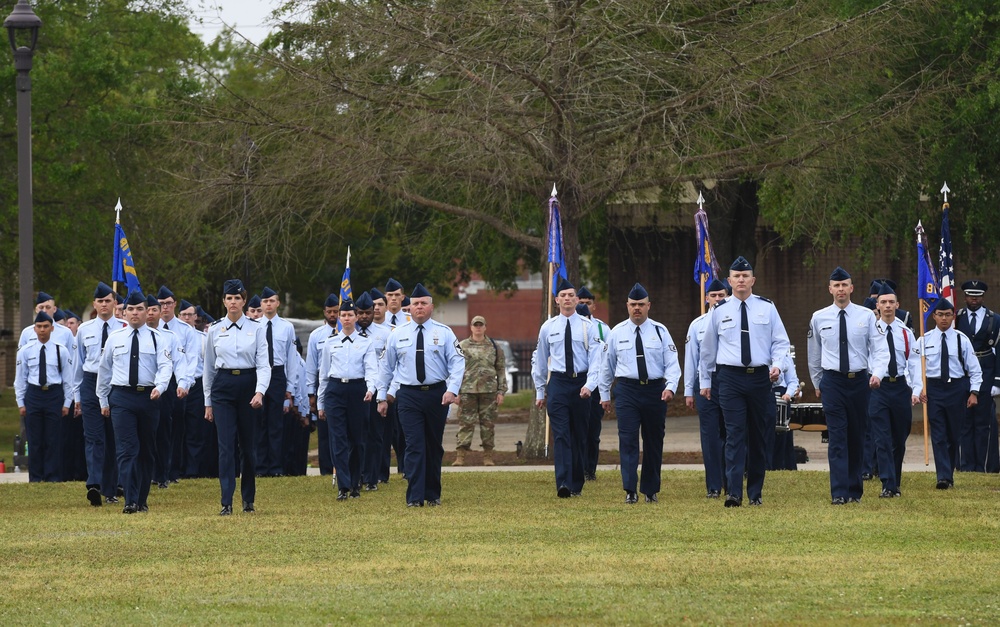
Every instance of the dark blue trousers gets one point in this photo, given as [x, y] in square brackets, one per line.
[271, 426]
[201, 442]
[890, 416]
[748, 409]
[845, 403]
[594, 434]
[945, 413]
[43, 428]
[422, 417]
[178, 428]
[74, 449]
[347, 420]
[373, 445]
[236, 425]
[99, 435]
[979, 433]
[640, 412]
[163, 438]
[325, 453]
[712, 429]
[390, 425]
[135, 419]
[569, 417]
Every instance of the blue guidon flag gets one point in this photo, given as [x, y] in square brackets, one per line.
[555, 237]
[927, 283]
[123, 268]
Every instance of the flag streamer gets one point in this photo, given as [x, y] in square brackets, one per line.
[555, 234]
[123, 267]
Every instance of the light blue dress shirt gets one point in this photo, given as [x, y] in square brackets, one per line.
[61, 335]
[824, 339]
[88, 347]
[181, 363]
[721, 343]
[317, 338]
[348, 357]
[239, 345]
[692, 354]
[57, 358]
[930, 347]
[283, 336]
[443, 360]
[619, 352]
[907, 354]
[550, 354]
[155, 361]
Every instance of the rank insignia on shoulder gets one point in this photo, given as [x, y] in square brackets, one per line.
[458, 347]
[809, 332]
[605, 347]
[687, 339]
[766, 300]
[672, 348]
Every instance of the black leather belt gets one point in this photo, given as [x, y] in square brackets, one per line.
[133, 388]
[943, 380]
[569, 375]
[423, 388]
[984, 353]
[898, 378]
[339, 380]
[641, 382]
[45, 388]
[849, 375]
[238, 372]
[744, 369]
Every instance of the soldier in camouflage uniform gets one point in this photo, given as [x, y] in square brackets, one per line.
[482, 392]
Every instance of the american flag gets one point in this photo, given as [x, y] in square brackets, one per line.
[946, 262]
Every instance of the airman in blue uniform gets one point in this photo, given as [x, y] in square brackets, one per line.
[979, 444]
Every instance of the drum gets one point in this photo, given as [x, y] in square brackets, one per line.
[782, 414]
[808, 417]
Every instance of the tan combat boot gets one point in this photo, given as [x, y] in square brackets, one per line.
[488, 457]
[459, 457]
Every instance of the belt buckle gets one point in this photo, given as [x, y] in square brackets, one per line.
[45, 388]
[345, 380]
[140, 388]
[851, 375]
[643, 381]
[892, 379]
[425, 388]
[236, 372]
[750, 370]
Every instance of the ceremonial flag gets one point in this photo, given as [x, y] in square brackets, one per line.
[946, 263]
[927, 283]
[705, 266]
[556, 243]
[345, 285]
[123, 268]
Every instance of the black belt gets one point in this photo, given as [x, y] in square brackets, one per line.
[984, 353]
[45, 388]
[339, 380]
[850, 375]
[744, 369]
[948, 380]
[238, 372]
[567, 375]
[896, 379]
[133, 388]
[641, 382]
[422, 388]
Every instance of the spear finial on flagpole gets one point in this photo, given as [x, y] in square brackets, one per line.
[701, 201]
[554, 192]
[945, 190]
[348, 256]
[118, 211]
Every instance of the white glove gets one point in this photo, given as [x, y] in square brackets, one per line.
[995, 391]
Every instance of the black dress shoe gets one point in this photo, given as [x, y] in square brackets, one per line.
[163, 485]
[355, 493]
[371, 487]
[175, 481]
[733, 501]
[248, 508]
[631, 498]
[887, 494]
[944, 484]
[590, 476]
[757, 502]
[713, 494]
[119, 491]
[839, 501]
[415, 504]
[854, 499]
[111, 499]
[575, 494]
[343, 494]
[563, 492]
[867, 476]
[94, 496]
[651, 498]
[434, 502]
[144, 509]
[227, 510]
[130, 509]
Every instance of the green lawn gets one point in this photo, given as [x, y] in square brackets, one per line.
[503, 549]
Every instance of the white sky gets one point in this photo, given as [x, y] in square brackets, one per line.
[248, 17]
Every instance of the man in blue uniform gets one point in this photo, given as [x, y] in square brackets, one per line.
[896, 387]
[43, 390]
[283, 360]
[373, 449]
[954, 379]
[979, 445]
[565, 372]
[841, 338]
[317, 339]
[424, 363]
[710, 423]
[174, 401]
[586, 299]
[347, 382]
[99, 435]
[134, 372]
[745, 344]
[395, 317]
[640, 359]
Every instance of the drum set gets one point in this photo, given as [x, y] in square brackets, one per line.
[800, 416]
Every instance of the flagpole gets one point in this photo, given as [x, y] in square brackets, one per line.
[118, 220]
[923, 308]
[548, 312]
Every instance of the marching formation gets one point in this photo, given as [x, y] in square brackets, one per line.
[161, 397]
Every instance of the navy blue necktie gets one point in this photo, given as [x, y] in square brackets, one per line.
[104, 336]
[570, 363]
[845, 355]
[270, 345]
[43, 375]
[945, 357]
[640, 357]
[744, 335]
[893, 365]
[421, 371]
[133, 361]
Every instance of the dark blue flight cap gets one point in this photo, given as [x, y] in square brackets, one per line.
[233, 286]
[405, 303]
[583, 292]
[164, 293]
[151, 301]
[184, 305]
[42, 297]
[943, 304]
[333, 300]
[119, 299]
[41, 316]
[348, 305]
[583, 310]
[376, 294]
[839, 274]
[70, 314]
[59, 315]
[103, 289]
[715, 286]
[254, 302]
[870, 303]
[741, 265]
[267, 293]
[419, 291]
[364, 301]
[565, 285]
[135, 297]
[638, 292]
[392, 285]
[886, 289]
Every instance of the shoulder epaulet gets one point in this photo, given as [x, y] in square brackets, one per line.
[766, 300]
[723, 301]
[254, 320]
[215, 322]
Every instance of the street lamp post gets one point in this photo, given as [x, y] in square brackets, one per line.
[23, 25]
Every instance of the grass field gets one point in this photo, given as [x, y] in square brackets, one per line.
[503, 549]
